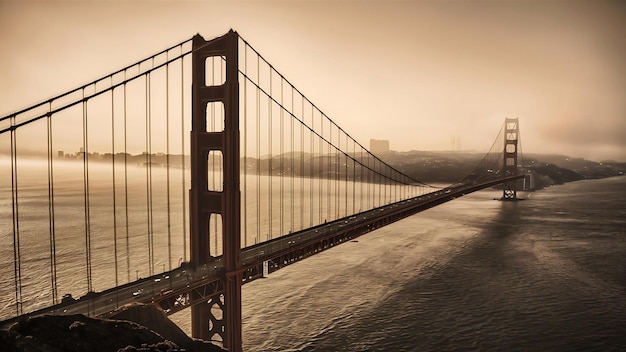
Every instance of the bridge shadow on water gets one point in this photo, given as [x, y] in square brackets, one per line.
[494, 294]
[492, 247]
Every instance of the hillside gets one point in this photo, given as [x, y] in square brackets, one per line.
[449, 167]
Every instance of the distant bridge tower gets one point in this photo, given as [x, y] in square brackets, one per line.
[509, 167]
[207, 320]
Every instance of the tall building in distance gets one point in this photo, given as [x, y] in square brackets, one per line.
[379, 146]
[455, 143]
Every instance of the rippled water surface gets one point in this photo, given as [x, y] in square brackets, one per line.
[545, 274]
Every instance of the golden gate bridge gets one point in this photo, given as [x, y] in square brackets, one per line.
[200, 168]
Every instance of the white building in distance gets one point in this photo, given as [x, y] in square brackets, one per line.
[379, 146]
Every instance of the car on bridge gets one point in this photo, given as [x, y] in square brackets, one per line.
[67, 298]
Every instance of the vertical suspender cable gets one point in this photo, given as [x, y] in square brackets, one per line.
[326, 176]
[375, 183]
[245, 148]
[126, 183]
[396, 186]
[308, 173]
[148, 175]
[282, 165]
[167, 162]
[337, 193]
[151, 207]
[346, 176]
[406, 190]
[385, 186]
[302, 166]
[150, 179]
[369, 173]
[383, 183]
[388, 184]
[345, 187]
[182, 151]
[342, 153]
[17, 258]
[291, 193]
[147, 166]
[361, 179]
[86, 194]
[380, 179]
[338, 179]
[397, 182]
[338, 175]
[332, 161]
[53, 257]
[258, 152]
[270, 142]
[392, 185]
[311, 176]
[337, 196]
[343, 179]
[330, 170]
[113, 179]
[353, 177]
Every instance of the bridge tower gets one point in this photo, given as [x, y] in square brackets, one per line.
[207, 320]
[509, 167]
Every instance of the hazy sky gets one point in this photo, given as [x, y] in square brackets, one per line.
[415, 72]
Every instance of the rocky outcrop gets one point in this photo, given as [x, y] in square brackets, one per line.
[77, 333]
[155, 319]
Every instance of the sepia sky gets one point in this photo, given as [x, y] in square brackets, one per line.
[417, 73]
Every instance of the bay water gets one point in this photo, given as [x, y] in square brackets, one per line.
[544, 274]
[475, 274]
